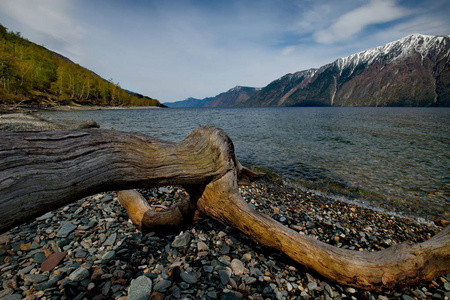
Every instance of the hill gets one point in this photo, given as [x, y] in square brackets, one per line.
[33, 75]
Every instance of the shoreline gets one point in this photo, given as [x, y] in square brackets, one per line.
[4, 109]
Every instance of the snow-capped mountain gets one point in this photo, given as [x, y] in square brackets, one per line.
[413, 71]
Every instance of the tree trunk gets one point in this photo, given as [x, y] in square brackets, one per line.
[42, 171]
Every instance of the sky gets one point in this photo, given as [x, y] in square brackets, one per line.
[172, 50]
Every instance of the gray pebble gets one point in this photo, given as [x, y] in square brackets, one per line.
[140, 288]
[66, 229]
[189, 278]
[79, 274]
[162, 285]
[181, 240]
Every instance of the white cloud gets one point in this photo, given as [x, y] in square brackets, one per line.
[354, 21]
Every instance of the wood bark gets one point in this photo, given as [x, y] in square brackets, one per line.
[46, 170]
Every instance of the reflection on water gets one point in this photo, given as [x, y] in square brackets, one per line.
[396, 158]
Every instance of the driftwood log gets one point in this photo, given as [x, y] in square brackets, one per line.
[43, 171]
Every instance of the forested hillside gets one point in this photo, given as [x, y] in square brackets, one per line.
[31, 74]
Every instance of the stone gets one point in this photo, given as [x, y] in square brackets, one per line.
[237, 266]
[108, 256]
[201, 246]
[162, 285]
[39, 257]
[312, 286]
[45, 216]
[12, 297]
[406, 297]
[140, 288]
[52, 261]
[189, 278]
[35, 278]
[224, 277]
[447, 286]
[110, 240]
[65, 230]
[79, 274]
[250, 280]
[181, 240]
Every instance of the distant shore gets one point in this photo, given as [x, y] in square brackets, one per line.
[32, 108]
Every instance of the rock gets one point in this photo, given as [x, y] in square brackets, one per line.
[181, 240]
[250, 280]
[406, 297]
[88, 124]
[201, 246]
[162, 285]
[189, 278]
[65, 230]
[39, 258]
[108, 256]
[229, 296]
[35, 278]
[312, 286]
[52, 261]
[237, 266]
[140, 288]
[12, 297]
[447, 286]
[111, 240]
[45, 216]
[224, 277]
[79, 274]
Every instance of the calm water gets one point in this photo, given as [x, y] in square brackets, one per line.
[393, 158]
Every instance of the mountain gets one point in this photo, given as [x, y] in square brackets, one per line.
[189, 102]
[33, 75]
[413, 71]
[234, 97]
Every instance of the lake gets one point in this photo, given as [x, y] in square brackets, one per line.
[394, 159]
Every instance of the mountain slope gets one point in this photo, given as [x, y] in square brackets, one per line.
[234, 97]
[32, 74]
[413, 71]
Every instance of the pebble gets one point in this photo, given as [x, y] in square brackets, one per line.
[79, 274]
[237, 266]
[189, 278]
[105, 255]
[140, 288]
[181, 240]
[66, 229]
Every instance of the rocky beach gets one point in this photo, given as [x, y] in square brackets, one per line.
[90, 249]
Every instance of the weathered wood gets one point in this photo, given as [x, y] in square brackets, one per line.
[46, 170]
[42, 171]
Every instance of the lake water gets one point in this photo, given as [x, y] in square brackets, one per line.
[396, 159]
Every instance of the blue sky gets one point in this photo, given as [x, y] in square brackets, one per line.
[172, 50]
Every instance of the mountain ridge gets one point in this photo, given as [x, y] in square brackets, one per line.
[412, 71]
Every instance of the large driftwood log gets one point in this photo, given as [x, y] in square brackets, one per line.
[43, 171]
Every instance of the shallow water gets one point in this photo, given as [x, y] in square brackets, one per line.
[393, 158]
